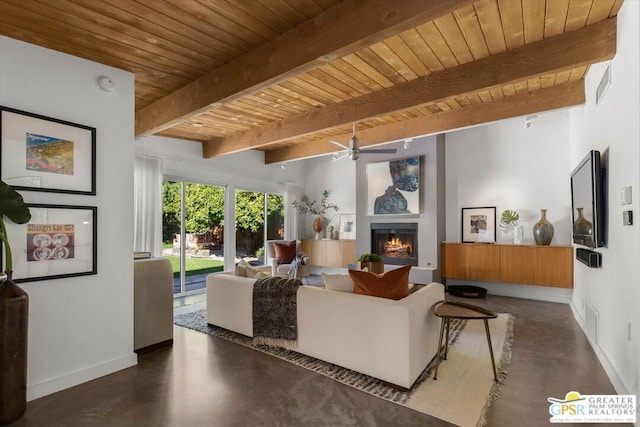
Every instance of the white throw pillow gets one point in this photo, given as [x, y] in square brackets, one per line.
[243, 268]
[338, 282]
[240, 270]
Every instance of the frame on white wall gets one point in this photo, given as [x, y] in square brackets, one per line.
[40, 153]
[347, 226]
[59, 241]
[479, 224]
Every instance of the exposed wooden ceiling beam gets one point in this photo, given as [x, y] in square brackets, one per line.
[581, 47]
[560, 96]
[343, 29]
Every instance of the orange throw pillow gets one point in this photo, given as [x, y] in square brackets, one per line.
[393, 284]
[285, 252]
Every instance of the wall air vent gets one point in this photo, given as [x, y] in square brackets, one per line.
[604, 84]
[591, 321]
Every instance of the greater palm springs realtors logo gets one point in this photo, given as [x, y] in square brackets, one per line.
[576, 408]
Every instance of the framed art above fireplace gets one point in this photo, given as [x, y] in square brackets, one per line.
[393, 187]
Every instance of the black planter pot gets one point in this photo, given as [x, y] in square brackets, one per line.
[14, 315]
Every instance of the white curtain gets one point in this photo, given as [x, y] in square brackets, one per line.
[292, 223]
[147, 205]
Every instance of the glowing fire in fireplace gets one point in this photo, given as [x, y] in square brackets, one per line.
[395, 247]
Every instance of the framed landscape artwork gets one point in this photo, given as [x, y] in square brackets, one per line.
[59, 241]
[479, 224]
[45, 154]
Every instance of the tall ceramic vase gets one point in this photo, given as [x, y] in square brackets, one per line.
[14, 313]
[317, 227]
[582, 225]
[543, 229]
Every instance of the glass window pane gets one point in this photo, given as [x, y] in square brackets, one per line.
[249, 225]
[171, 228]
[202, 233]
[203, 223]
[275, 217]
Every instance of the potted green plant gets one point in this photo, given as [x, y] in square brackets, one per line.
[308, 206]
[371, 262]
[14, 312]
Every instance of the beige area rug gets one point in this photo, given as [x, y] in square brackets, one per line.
[461, 394]
[465, 387]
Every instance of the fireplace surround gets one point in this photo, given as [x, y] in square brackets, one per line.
[395, 242]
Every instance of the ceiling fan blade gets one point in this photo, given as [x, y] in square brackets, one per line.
[378, 151]
[339, 144]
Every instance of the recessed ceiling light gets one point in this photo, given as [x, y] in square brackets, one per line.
[197, 125]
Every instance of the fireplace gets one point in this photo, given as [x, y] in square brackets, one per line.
[396, 243]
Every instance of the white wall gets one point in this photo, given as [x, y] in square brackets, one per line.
[339, 178]
[613, 128]
[508, 166]
[245, 170]
[80, 328]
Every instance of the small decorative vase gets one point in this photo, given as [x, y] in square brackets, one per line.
[518, 234]
[543, 229]
[317, 227]
[14, 315]
[328, 234]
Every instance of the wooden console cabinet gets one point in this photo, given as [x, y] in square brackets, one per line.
[525, 264]
[330, 253]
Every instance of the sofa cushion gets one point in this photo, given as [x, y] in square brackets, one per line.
[285, 252]
[261, 275]
[240, 270]
[244, 269]
[338, 282]
[393, 284]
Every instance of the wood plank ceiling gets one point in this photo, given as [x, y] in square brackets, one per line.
[288, 76]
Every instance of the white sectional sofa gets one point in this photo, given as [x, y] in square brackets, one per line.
[386, 339]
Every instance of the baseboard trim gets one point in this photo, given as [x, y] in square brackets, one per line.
[154, 347]
[615, 379]
[35, 391]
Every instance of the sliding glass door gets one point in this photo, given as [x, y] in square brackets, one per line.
[192, 233]
[275, 217]
[259, 216]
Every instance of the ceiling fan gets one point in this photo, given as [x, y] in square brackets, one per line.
[354, 149]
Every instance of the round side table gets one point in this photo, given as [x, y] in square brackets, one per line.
[448, 310]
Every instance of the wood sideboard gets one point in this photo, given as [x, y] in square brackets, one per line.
[330, 253]
[524, 264]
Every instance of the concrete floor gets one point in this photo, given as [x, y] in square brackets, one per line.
[206, 381]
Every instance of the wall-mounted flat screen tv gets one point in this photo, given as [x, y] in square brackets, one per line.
[587, 201]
